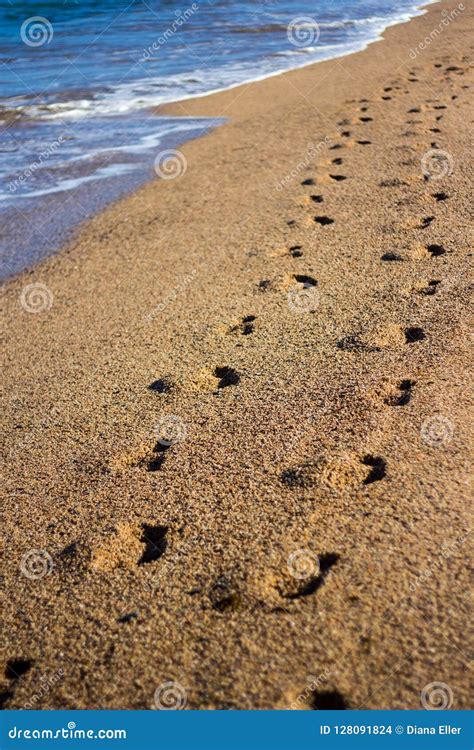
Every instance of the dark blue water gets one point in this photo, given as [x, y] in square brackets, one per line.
[79, 81]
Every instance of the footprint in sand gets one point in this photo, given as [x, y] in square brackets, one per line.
[216, 379]
[148, 456]
[224, 596]
[391, 257]
[305, 280]
[296, 251]
[392, 336]
[162, 385]
[226, 376]
[402, 394]
[436, 250]
[414, 334]
[14, 671]
[426, 221]
[244, 326]
[291, 587]
[324, 221]
[426, 252]
[130, 546]
[327, 700]
[429, 288]
[339, 473]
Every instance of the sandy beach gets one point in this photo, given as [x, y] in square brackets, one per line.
[237, 408]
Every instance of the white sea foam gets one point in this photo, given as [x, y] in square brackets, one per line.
[154, 91]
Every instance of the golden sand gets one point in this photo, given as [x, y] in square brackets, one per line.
[237, 414]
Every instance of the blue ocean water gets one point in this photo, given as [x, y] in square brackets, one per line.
[79, 80]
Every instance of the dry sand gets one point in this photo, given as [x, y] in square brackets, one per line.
[304, 542]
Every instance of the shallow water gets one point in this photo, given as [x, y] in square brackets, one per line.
[79, 79]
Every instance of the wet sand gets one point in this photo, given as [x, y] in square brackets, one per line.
[237, 408]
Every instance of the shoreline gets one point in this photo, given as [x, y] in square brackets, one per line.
[112, 189]
[236, 421]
